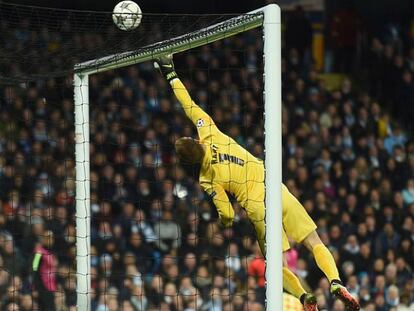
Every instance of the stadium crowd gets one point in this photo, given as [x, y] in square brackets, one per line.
[156, 244]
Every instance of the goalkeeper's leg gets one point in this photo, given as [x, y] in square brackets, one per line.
[326, 263]
[323, 256]
[302, 229]
[256, 213]
[292, 284]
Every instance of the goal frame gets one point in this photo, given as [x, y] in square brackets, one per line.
[270, 18]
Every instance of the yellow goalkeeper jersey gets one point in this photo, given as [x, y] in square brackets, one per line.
[229, 168]
[226, 166]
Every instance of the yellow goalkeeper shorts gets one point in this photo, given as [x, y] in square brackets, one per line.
[297, 223]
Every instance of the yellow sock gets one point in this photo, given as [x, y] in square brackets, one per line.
[326, 262]
[292, 284]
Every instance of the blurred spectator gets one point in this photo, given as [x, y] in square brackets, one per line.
[155, 244]
[396, 138]
[233, 261]
[408, 192]
[299, 33]
[44, 268]
[168, 233]
[343, 33]
[256, 269]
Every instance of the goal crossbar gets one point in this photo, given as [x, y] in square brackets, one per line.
[219, 31]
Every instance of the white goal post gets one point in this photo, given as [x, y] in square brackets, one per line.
[268, 17]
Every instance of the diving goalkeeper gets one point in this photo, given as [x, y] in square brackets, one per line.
[228, 168]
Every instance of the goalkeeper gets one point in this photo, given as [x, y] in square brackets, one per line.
[228, 168]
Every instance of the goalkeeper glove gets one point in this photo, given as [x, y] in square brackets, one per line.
[166, 65]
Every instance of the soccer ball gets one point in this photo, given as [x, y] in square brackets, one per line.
[127, 15]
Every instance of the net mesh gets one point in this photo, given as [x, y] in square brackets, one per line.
[155, 240]
[165, 240]
[39, 43]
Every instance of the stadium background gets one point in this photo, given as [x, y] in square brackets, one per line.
[348, 156]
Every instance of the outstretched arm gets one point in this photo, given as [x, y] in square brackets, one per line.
[205, 125]
[191, 109]
[222, 203]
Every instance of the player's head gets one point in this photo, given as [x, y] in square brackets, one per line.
[189, 150]
[48, 239]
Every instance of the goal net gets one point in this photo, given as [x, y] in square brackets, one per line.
[101, 213]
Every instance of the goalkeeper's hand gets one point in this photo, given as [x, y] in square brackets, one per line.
[166, 65]
[226, 222]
